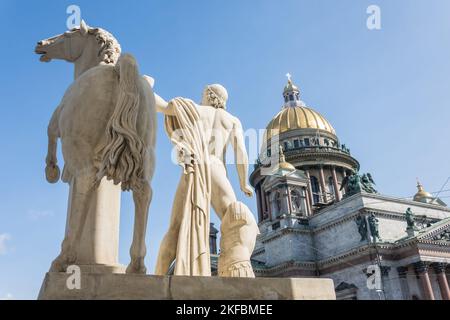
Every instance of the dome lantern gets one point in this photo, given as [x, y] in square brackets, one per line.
[291, 94]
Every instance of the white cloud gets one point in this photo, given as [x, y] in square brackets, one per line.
[35, 215]
[4, 237]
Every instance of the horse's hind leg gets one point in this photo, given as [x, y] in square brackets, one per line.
[142, 198]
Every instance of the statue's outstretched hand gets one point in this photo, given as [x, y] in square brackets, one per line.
[248, 190]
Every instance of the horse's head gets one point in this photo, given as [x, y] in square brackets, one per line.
[67, 46]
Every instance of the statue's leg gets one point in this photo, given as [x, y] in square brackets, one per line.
[239, 232]
[222, 193]
[142, 198]
[81, 198]
[168, 249]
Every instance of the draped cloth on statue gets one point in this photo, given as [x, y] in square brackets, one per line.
[187, 133]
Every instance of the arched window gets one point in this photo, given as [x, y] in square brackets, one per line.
[298, 200]
[315, 188]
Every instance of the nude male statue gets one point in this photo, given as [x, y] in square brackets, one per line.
[219, 129]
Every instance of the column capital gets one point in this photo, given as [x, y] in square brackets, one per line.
[421, 267]
[402, 271]
[385, 270]
[439, 267]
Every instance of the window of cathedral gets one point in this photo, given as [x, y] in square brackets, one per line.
[307, 143]
[296, 143]
[315, 187]
[331, 185]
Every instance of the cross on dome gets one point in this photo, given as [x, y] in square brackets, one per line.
[289, 76]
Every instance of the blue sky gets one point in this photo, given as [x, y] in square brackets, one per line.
[386, 92]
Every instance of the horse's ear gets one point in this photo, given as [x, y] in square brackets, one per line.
[83, 28]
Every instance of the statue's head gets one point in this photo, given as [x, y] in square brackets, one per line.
[70, 45]
[215, 95]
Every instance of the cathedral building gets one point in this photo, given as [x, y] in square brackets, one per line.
[320, 217]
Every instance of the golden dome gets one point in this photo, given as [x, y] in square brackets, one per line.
[298, 117]
[421, 194]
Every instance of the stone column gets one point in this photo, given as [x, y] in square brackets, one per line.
[422, 270]
[322, 184]
[308, 203]
[403, 278]
[337, 194]
[387, 287]
[269, 204]
[309, 188]
[259, 202]
[289, 200]
[439, 268]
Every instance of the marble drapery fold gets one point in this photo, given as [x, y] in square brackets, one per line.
[186, 132]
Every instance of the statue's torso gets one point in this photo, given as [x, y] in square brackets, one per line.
[218, 125]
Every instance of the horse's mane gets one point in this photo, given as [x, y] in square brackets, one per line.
[110, 47]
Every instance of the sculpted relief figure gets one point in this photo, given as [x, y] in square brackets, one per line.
[106, 122]
[201, 134]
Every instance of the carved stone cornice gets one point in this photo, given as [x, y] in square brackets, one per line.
[288, 265]
[386, 198]
[259, 251]
[303, 155]
[281, 232]
[335, 222]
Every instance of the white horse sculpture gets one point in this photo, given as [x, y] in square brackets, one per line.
[106, 122]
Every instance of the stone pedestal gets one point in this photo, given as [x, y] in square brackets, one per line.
[148, 287]
[99, 243]
[412, 232]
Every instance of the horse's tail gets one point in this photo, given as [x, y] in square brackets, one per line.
[122, 155]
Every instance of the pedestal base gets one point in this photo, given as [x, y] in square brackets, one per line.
[148, 287]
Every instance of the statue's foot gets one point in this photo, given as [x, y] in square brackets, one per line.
[137, 266]
[61, 263]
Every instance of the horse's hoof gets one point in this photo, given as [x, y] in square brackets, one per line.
[52, 173]
[136, 267]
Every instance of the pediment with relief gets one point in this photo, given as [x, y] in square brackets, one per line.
[439, 232]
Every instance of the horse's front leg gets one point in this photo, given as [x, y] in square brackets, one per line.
[142, 199]
[52, 171]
